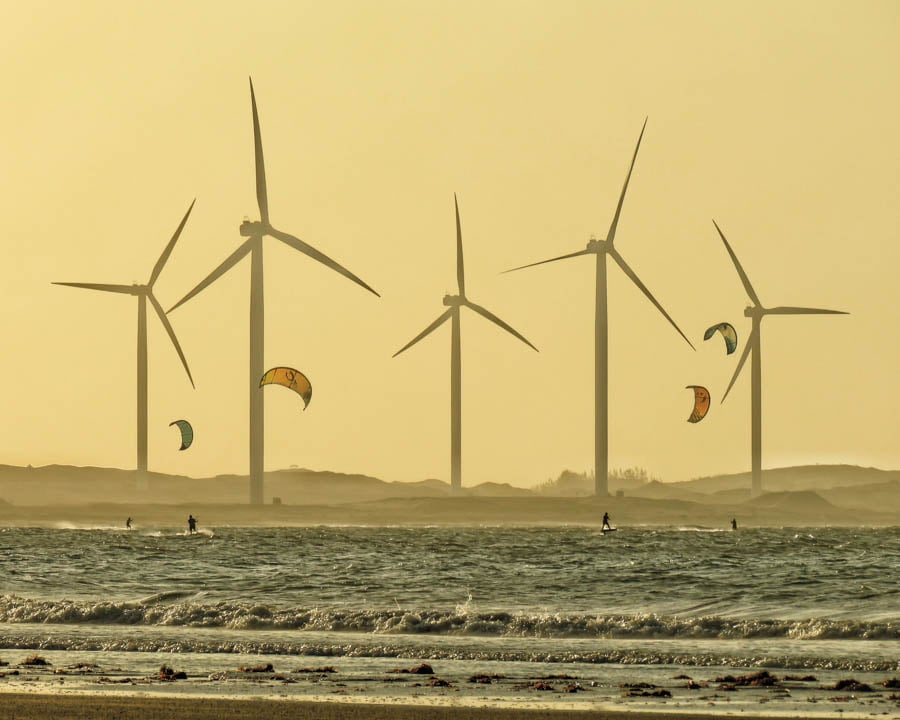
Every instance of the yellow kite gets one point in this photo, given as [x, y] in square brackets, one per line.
[291, 379]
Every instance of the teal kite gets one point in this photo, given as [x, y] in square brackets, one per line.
[728, 334]
[187, 433]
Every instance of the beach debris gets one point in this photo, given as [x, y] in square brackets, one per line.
[694, 685]
[438, 682]
[541, 685]
[645, 689]
[658, 692]
[484, 679]
[317, 671]
[267, 668]
[291, 379]
[850, 685]
[423, 669]
[729, 335]
[573, 687]
[758, 679]
[168, 674]
[35, 660]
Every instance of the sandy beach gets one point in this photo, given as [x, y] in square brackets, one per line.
[19, 706]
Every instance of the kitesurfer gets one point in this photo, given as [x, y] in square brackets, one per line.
[606, 525]
[733, 524]
[128, 523]
[192, 524]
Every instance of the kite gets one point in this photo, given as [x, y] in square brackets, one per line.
[728, 333]
[187, 433]
[701, 403]
[291, 379]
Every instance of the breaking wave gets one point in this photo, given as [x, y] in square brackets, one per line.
[174, 609]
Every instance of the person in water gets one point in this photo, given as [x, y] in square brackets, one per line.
[128, 523]
[192, 524]
[733, 524]
[606, 525]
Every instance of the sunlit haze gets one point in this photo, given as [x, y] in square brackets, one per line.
[778, 120]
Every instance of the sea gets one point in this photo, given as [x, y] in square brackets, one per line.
[643, 603]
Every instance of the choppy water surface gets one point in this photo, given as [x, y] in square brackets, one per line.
[823, 595]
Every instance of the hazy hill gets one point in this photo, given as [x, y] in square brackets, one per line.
[802, 477]
[65, 494]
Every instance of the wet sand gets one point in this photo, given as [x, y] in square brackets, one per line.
[16, 706]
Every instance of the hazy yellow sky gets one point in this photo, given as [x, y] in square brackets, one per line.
[777, 119]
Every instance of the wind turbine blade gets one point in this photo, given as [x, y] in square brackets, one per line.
[643, 288]
[434, 326]
[228, 263]
[309, 250]
[611, 235]
[261, 196]
[803, 311]
[168, 326]
[542, 262]
[744, 279]
[460, 272]
[157, 269]
[497, 321]
[124, 289]
[748, 343]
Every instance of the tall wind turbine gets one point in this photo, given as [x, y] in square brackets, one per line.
[254, 232]
[454, 303]
[756, 312]
[601, 249]
[145, 293]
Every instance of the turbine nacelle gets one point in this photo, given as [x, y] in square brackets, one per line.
[754, 311]
[454, 300]
[254, 229]
[597, 246]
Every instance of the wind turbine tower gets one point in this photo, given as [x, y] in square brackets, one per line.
[756, 312]
[255, 232]
[144, 293]
[454, 303]
[603, 249]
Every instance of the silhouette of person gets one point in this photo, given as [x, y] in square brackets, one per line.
[192, 524]
[128, 523]
[606, 525]
[733, 524]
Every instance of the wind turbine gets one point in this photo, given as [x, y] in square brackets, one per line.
[143, 294]
[254, 232]
[601, 249]
[454, 303]
[756, 312]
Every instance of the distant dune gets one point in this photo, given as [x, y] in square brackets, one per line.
[809, 495]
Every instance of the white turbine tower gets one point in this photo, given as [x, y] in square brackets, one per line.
[454, 303]
[756, 312]
[254, 232]
[601, 249]
[143, 294]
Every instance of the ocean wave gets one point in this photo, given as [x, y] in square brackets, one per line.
[177, 609]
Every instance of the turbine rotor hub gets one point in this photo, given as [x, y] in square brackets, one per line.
[453, 300]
